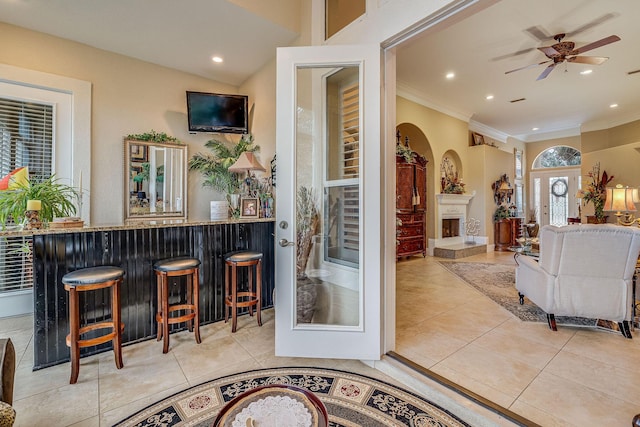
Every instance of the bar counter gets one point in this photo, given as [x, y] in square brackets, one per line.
[135, 247]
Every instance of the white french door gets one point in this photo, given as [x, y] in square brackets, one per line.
[553, 195]
[328, 221]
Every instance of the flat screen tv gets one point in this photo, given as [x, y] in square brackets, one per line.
[217, 113]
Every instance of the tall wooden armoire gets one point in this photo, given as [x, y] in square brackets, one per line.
[411, 204]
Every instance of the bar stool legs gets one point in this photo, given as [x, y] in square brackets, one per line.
[188, 267]
[89, 279]
[234, 298]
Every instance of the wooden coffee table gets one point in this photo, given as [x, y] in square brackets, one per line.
[275, 404]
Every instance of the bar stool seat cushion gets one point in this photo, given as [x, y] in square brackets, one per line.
[176, 264]
[243, 256]
[92, 275]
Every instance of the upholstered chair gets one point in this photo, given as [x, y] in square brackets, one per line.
[584, 271]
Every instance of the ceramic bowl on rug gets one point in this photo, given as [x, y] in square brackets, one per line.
[350, 399]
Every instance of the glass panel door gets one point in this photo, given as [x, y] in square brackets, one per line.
[321, 294]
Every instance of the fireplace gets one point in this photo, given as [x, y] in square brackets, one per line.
[450, 227]
[451, 218]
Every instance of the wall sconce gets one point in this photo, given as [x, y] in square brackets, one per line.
[620, 200]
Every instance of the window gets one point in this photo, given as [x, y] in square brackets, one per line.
[340, 13]
[26, 137]
[558, 157]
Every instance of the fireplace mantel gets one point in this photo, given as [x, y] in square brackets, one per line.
[454, 199]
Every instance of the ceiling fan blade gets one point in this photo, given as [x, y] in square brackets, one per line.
[546, 71]
[528, 66]
[596, 44]
[549, 51]
[511, 55]
[591, 24]
[593, 60]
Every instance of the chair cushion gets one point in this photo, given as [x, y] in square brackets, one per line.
[8, 366]
[176, 264]
[243, 256]
[92, 275]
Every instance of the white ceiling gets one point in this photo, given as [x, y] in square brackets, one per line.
[185, 35]
[480, 49]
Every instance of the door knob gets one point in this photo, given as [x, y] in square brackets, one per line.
[285, 243]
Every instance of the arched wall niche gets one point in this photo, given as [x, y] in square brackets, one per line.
[419, 143]
[450, 159]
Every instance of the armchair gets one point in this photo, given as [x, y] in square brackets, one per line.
[584, 271]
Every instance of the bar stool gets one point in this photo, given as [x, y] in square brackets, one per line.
[233, 297]
[176, 267]
[90, 279]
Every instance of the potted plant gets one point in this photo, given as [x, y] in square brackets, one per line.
[215, 167]
[57, 200]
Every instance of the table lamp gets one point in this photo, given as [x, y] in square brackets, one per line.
[247, 162]
[620, 199]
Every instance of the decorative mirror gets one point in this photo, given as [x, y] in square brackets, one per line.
[155, 180]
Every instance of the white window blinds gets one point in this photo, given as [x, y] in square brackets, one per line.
[26, 137]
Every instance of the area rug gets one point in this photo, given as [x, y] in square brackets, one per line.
[351, 400]
[498, 282]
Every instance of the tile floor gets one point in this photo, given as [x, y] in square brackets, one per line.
[572, 377]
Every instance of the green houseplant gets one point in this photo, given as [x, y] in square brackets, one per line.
[57, 200]
[214, 167]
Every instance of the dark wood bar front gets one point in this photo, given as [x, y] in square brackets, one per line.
[135, 249]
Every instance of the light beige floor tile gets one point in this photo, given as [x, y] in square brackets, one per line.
[89, 422]
[577, 404]
[511, 346]
[607, 377]
[493, 394]
[62, 406]
[430, 344]
[606, 346]
[140, 377]
[541, 418]
[208, 357]
[29, 382]
[509, 376]
[537, 332]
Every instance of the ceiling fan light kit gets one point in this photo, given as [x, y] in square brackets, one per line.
[565, 51]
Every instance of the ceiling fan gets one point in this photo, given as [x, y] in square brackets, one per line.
[566, 52]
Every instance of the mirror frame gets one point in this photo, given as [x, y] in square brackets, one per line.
[128, 216]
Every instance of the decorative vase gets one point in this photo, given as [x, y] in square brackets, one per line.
[592, 219]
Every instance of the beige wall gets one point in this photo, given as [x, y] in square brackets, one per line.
[131, 96]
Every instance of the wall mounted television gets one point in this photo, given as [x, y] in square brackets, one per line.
[217, 113]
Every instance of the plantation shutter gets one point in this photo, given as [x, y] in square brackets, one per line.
[26, 139]
[342, 204]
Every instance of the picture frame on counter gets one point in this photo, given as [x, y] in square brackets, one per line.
[249, 207]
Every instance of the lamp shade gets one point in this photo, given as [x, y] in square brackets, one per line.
[619, 199]
[246, 162]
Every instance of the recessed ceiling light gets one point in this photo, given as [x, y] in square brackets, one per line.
[534, 129]
[613, 106]
[450, 75]
[489, 97]
[217, 59]
[585, 72]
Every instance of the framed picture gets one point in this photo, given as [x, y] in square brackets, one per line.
[518, 163]
[249, 207]
[478, 139]
[139, 152]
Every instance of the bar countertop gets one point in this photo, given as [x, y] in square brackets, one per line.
[129, 225]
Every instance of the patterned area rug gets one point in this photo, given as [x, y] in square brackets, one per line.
[498, 282]
[351, 400]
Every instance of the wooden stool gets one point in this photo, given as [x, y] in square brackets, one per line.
[173, 268]
[90, 279]
[233, 298]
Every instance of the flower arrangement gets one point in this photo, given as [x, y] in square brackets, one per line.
[595, 191]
